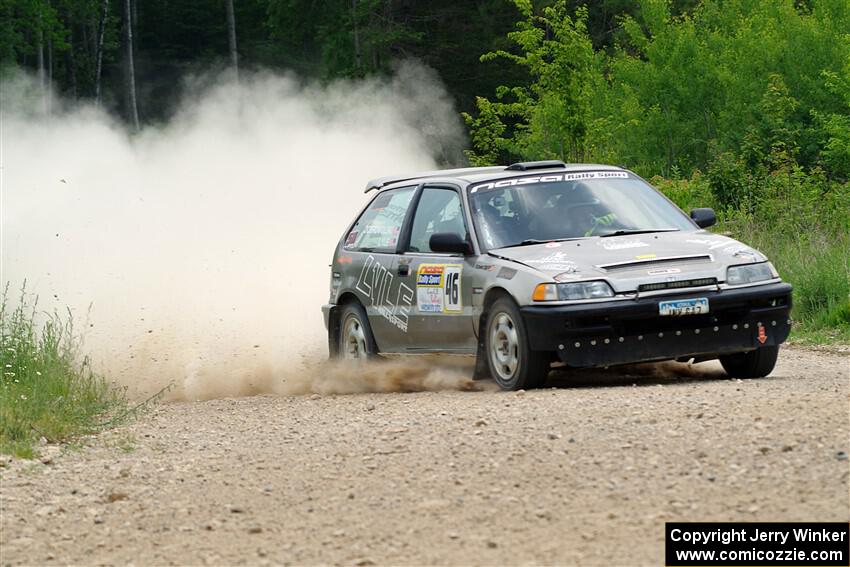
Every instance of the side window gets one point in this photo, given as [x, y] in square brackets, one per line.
[379, 226]
[439, 210]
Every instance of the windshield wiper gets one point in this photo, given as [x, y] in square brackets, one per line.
[639, 231]
[530, 241]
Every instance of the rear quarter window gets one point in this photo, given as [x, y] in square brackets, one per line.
[379, 227]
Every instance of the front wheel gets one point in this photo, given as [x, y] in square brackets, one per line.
[753, 364]
[512, 363]
[355, 336]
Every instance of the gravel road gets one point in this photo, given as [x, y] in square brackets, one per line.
[585, 473]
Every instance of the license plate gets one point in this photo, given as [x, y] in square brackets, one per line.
[680, 307]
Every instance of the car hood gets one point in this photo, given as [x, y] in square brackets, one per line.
[631, 260]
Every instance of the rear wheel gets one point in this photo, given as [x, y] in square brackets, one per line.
[355, 336]
[512, 363]
[753, 364]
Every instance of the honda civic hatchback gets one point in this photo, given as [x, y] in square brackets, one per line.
[543, 262]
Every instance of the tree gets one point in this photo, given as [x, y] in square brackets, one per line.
[551, 118]
[130, 76]
[101, 34]
[231, 37]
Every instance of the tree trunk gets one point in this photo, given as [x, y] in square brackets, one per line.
[231, 37]
[49, 92]
[42, 79]
[71, 62]
[354, 17]
[131, 66]
[101, 31]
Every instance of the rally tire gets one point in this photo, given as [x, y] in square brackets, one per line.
[512, 363]
[355, 340]
[753, 364]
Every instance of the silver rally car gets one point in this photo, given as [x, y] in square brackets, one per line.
[543, 262]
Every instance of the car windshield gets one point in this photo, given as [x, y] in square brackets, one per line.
[527, 210]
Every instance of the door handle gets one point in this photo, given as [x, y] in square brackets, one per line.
[404, 270]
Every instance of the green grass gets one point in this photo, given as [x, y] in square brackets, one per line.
[819, 269]
[802, 223]
[46, 388]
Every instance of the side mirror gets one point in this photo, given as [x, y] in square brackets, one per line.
[450, 242]
[704, 217]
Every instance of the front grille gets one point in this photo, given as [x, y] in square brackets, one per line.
[679, 284]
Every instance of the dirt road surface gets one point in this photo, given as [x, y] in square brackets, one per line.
[586, 473]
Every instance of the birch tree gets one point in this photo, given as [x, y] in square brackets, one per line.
[42, 78]
[101, 32]
[131, 67]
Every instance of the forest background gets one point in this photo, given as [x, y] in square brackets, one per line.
[740, 105]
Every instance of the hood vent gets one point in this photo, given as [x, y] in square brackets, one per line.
[633, 264]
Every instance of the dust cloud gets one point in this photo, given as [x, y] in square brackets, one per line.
[196, 252]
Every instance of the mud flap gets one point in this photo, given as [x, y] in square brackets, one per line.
[482, 367]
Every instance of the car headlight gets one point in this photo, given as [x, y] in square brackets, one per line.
[572, 291]
[750, 273]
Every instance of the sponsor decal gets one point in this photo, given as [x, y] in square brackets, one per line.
[506, 273]
[742, 252]
[485, 267]
[728, 246]
[438, 288]
[645, 257]
[345, 260]
[376, 283]
[429, 276]
[712, 243]
[394, 238]
[554, 262]
[553, 258]
[550, 179]
[662, 271]
[553, 245]
[567, 276]
[622, 244]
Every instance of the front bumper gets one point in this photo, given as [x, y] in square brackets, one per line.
[622, 332]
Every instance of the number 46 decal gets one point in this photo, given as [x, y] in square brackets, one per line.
[452, 291]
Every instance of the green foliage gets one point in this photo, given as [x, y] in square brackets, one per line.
[486, 131]
[45, 390]
[325, 39]
[802, 222]
[836, 126]
[756, 80]
[27, 25]
[351, 38]
[733, 184]
[551, 117]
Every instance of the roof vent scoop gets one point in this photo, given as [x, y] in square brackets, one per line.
[528, 165]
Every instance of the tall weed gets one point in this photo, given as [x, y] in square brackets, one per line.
[801, 220]
[46, 390]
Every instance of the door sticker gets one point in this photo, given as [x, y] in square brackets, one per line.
[376, 283]
[438, 288]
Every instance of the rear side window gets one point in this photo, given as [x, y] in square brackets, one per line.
[379, 227]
